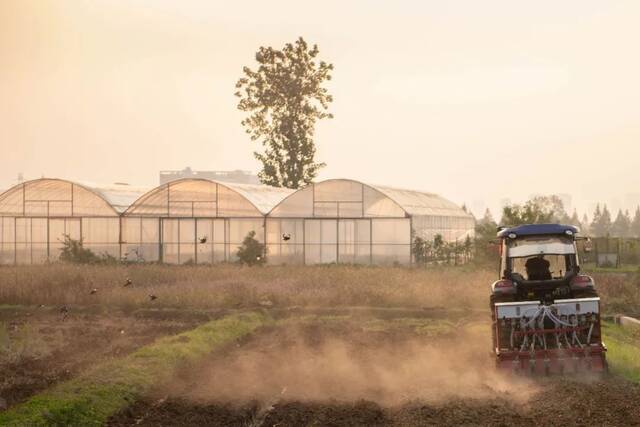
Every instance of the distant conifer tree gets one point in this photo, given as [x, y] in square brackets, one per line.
[634, 229]
[620, 227]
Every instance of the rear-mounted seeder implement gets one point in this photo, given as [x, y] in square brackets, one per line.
[546, 315]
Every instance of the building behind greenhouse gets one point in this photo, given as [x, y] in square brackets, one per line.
[204, 222]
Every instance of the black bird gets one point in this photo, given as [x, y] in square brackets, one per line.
[128, 282]
[203, 239]
[286, 237]
[152, 297]
[93, 291]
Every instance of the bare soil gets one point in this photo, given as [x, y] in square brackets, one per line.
[46, 347]
[346, 373]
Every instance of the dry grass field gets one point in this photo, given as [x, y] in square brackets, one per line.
[232, 286]
[229, 286]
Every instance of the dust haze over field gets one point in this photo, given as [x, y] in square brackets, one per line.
[336, 371]
[331, 363]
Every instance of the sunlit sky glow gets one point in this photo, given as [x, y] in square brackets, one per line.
[477, 101]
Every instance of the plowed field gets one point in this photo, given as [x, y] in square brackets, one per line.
[399, 372]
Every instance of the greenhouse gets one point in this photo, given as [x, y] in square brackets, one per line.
[35, 217]
[196, 221]
[204, 222]
[348, 221]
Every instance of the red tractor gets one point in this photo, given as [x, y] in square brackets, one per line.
[546, 315]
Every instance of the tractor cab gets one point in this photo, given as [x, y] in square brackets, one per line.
[540, 262]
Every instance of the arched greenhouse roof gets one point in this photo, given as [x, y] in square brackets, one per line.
[58, 197]
[195, 197]
[418, 203]
[350, 198]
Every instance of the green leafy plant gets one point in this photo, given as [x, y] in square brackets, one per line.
[420, 250]
[74, 252]
[252, 252]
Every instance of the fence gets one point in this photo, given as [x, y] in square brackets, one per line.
[610, 252]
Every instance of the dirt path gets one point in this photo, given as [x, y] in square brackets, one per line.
[345, 373]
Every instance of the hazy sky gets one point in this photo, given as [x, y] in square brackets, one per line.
[475, 100]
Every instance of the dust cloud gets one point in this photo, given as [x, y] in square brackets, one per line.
[321, 363]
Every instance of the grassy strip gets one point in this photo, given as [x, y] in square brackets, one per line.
[623, 345]
[95, 395]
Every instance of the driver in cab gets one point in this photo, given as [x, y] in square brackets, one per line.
[538, 268]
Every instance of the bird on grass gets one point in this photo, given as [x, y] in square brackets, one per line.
[203, 239]
[64, 311]
[93, 291]
[128, 282]
[152, 297]
[286, 237]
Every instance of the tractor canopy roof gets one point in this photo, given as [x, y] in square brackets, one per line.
[538, 230]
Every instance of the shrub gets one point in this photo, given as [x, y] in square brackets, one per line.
[74, 252]
[251, 252]
[421, 250]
